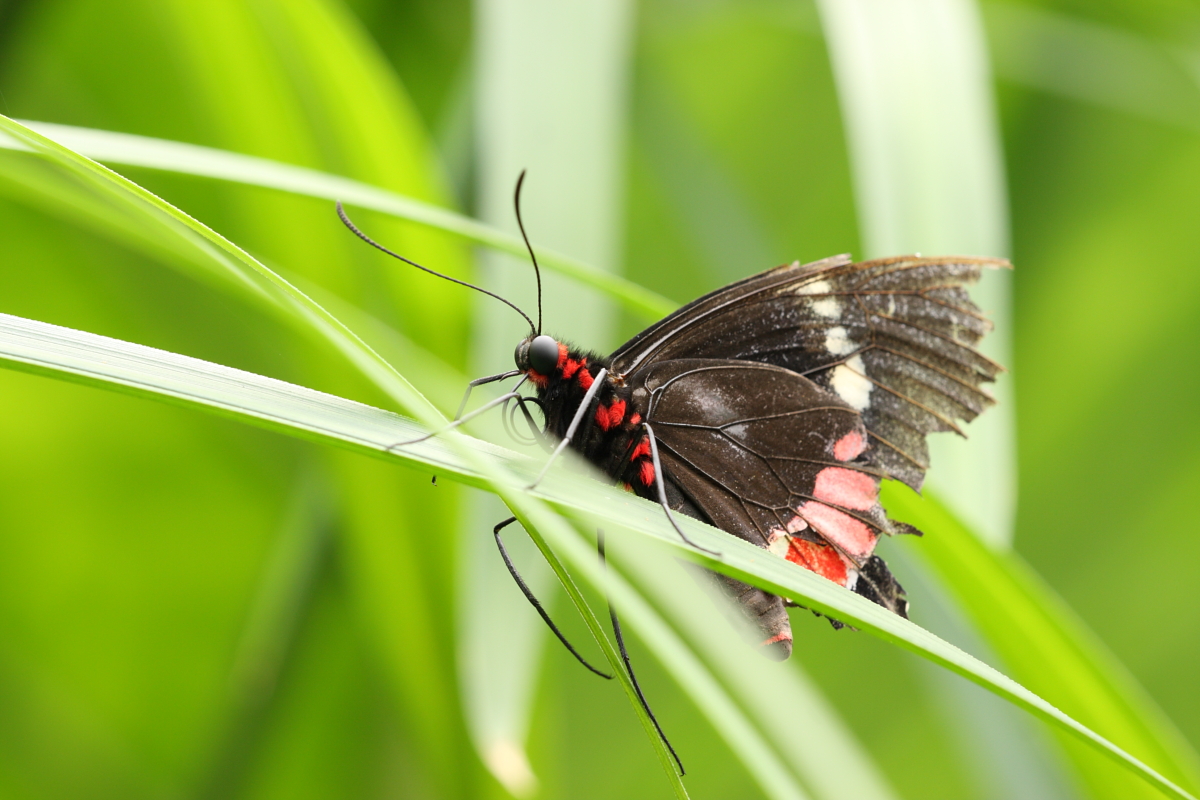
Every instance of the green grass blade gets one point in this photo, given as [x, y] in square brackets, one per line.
[140, 151]
[204, 244]
[95, 360]
[1049, 649]
[791, 715]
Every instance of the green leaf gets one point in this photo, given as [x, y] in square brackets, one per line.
[201, 243]
[86, 358]
[141, 151]
[1049, 649]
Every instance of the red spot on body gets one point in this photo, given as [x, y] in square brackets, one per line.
[819, 558]
[852, 535]
[585, 379]
[647, 473]
[786, 636]
[572, 366]
[847, 488]
[849, 446]
[608, 417]
[642, 449]
[635, 419]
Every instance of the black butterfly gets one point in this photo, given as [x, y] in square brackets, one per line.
[774, 407]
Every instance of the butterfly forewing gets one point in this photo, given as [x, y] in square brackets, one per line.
[892, 338]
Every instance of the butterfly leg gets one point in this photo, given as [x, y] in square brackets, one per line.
[525, 590]
[480, 382]
[580, 415]
[536, 435]
[662, 492]
[616, 624]
[461, 420]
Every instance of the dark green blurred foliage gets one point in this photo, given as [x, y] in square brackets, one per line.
[189, 607]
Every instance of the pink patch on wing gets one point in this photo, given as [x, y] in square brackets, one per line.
[847, 488]
[852, 535]
[819, 558]
[849, 446]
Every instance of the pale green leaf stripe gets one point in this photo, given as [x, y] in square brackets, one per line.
[189, 159]
[924, 143]
[96, 360]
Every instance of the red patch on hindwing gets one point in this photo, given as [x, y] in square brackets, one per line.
[819, 558]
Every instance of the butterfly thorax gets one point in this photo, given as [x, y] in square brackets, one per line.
[611, 437]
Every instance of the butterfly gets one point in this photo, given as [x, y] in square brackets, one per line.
[773, 408]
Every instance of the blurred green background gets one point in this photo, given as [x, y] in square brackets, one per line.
[194, 608]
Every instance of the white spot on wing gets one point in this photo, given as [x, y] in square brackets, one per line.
[826, 307]
[838, 342]
[850, 382]
[851, 578]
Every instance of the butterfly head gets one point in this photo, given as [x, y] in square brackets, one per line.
[537, 353]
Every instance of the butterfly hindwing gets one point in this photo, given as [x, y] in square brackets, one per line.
[776, 459]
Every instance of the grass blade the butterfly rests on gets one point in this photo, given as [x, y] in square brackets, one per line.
[99, 361]
[110, 147]
[1029, 627]
[203, 247]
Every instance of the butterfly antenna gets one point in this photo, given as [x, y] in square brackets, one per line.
[354, 229]
[529, 247]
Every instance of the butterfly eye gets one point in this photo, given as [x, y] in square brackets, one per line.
[543, 355]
